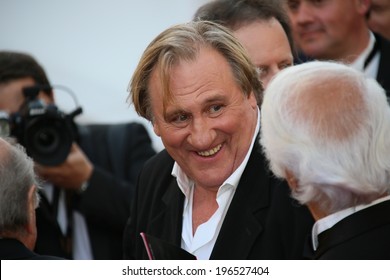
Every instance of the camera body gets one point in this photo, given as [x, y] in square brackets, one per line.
[46, 132]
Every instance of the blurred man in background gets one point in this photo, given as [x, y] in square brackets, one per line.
[337, 30]
[379, 17]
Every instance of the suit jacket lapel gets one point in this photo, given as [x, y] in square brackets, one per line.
[241, 226]
[383, 76]
[168, 224]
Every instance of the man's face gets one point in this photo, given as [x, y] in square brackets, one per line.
[11, 94]
[208, 127]
[379, 19]
[324, 29]
[267, 45]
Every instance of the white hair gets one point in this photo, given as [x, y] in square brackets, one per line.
[17, 177]
[329, 126]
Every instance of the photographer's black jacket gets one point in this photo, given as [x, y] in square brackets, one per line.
[118, 153]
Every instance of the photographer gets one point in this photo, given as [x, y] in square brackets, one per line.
[87, 195]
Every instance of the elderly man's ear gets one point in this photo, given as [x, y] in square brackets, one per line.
[31, 228]
[291, 180]
[363, 6]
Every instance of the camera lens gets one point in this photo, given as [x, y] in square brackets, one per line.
[46, 140]
[45, 131]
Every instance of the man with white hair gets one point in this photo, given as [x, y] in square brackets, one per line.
[18, 199]
[326, 130]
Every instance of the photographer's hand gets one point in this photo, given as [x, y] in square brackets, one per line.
[71, 174]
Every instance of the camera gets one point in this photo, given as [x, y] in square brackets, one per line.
[46, 132]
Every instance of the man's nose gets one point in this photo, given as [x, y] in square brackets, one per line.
[304, 13]
[202, 134]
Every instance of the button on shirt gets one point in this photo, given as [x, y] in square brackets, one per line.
[202, 242]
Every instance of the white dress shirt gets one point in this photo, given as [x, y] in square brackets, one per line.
[371, 70]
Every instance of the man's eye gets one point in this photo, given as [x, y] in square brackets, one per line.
[181, 118]
[318, 2]
[215, 108]
[293, 5]
[284, 65]
[263, 71]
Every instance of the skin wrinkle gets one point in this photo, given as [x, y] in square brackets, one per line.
[165, 66]
[188, 90]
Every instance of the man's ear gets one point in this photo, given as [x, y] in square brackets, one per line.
[31, 202]
[291, 180]
[30, 237]
[363, 6]
[156, 129]
[253, 101]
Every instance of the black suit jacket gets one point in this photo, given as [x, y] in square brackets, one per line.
[118, 153]
[362, 235]
[383, 76]
[262, 222]
[12, 249]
